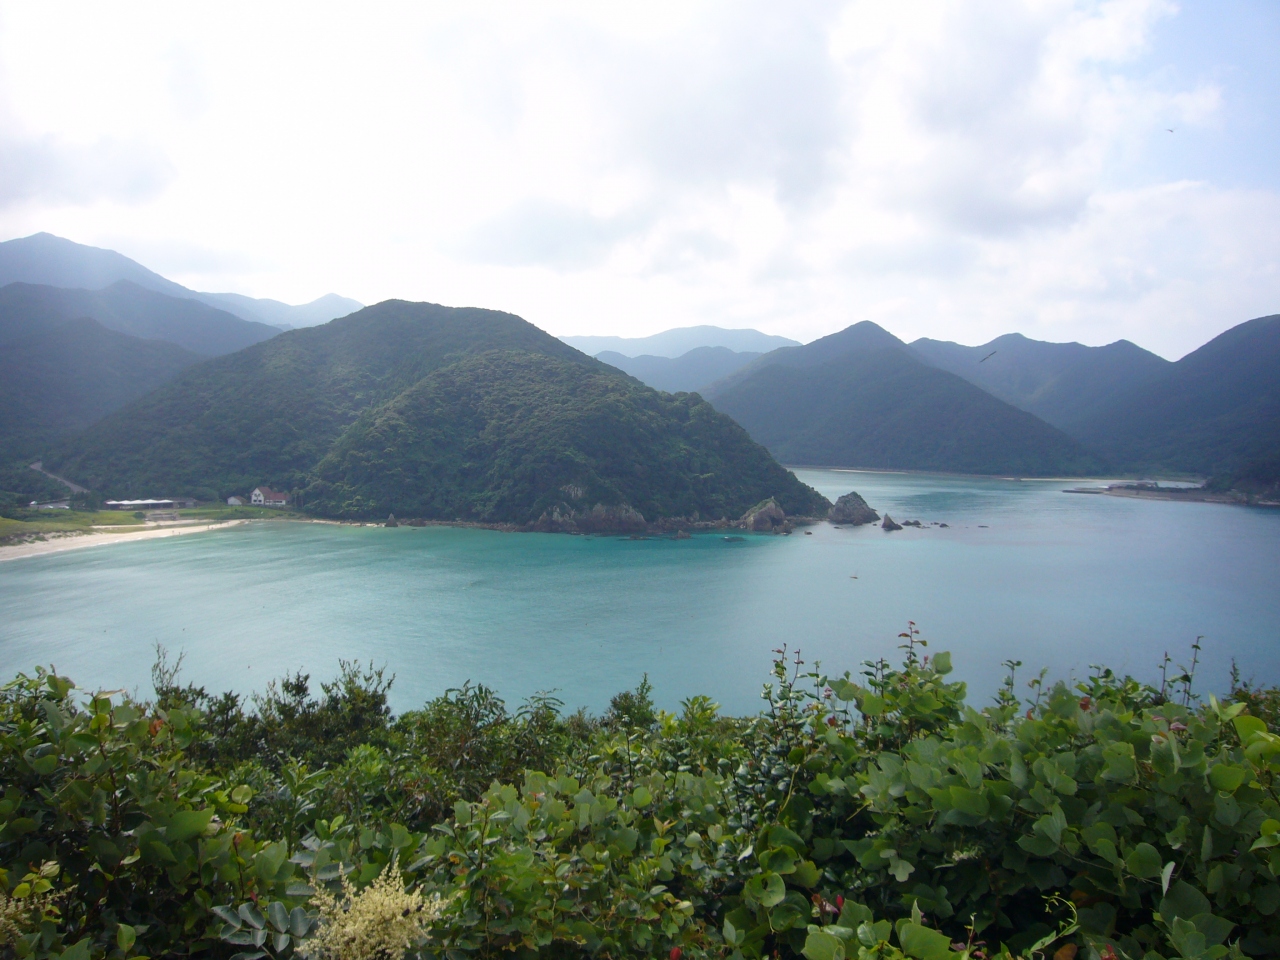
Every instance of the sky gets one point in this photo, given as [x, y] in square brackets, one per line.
[1068, 170]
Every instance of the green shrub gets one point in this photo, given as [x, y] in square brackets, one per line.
[875, 816]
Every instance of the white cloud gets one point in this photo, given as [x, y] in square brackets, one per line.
[948, 169]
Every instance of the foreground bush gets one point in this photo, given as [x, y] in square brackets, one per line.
[871, 816]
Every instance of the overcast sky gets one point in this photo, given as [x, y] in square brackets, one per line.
[953, 169]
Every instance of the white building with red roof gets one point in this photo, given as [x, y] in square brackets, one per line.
[266, 497]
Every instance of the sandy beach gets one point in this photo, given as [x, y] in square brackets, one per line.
[57, 542]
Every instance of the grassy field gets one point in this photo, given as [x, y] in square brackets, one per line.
[32, 523]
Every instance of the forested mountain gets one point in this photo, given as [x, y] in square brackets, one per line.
[128, 308]
[679, 341]
[694, 370]
[434, 411]
[61, 375]
[53, 261]
[1214, 411]
[860, 398]
[1065, 384]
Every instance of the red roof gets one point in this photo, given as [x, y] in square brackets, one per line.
[269, 494]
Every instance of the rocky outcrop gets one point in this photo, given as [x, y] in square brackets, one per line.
[599, 519]
[851, 509]
[889, 524]
[391, 520]
[765, 517]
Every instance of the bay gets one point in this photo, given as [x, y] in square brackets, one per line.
[1023, 572]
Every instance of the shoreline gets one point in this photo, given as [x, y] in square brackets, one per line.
[57, 543]
[1192, 495]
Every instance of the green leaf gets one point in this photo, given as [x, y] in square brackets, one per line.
[1183, 900]
[820, 945]
[278, 916]
[806, 874]
[1227, 777]
[854, 914]
[1247, 726]
[942, 662]
[125, 936]
[1144, 861]
[299, 922]
[252, 917]
[969, 801]
[922, 942]
[229, 916]
[871, 706]
[766, 889]
[641, 797]
[186, 824]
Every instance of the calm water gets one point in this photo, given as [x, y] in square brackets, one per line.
[1024, 571]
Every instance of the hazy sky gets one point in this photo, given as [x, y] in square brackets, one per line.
[951, 169]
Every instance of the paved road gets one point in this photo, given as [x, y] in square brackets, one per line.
[38, 466]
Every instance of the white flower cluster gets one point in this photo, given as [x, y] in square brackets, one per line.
[381, 922]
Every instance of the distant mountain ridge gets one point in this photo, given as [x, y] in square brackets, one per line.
[45, 259]
[1214, 412]
[128, 308]
[680, 340]
[1065, 384]
[691, 371]
[861, 398]
[436, 412]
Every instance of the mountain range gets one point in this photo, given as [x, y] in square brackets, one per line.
[680, 340]
[433, 412]
[53, 261]
[690, 371]
[861, 398]
[430, 411]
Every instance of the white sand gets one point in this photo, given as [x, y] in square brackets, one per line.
[59, 542]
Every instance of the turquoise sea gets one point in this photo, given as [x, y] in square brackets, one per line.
[1023, 571]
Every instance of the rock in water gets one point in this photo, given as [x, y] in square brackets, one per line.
[889, 524]
[853, 510]
[766, 516]
[391, 520]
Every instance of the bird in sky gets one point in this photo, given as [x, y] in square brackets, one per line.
[989, 356]
[1169, 129]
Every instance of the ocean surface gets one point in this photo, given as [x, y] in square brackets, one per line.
[1023, 571]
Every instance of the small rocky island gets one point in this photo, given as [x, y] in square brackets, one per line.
[852, 510]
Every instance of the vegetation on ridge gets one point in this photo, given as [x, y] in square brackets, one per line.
[429, 411]
[875, 815]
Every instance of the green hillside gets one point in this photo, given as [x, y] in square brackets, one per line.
[860, 399]
[1064, 384]
[58, 377]
[430, 411]
[1212, 412]
[509, 435]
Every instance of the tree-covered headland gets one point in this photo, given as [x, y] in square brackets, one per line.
[870, 814]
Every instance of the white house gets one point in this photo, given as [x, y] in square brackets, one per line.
[266, 497]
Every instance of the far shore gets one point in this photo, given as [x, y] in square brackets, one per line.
[57, 542]
[1183, 495]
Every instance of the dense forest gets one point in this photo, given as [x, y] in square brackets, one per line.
[435, 413]
[876, 814]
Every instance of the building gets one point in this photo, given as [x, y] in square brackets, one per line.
[266, 497]
[164, 503]
[234, 502]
